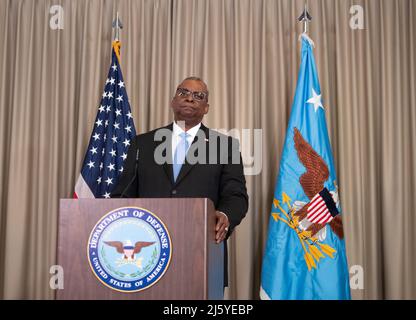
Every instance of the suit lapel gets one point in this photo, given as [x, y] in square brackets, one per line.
[167, 153]
[187, 167]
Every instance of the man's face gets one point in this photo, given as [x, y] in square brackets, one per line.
[190, 102]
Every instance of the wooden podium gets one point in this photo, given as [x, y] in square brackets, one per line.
[196, 269]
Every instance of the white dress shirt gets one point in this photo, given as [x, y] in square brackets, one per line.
[177, 130]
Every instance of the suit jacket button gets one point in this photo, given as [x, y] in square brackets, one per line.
[173, 191]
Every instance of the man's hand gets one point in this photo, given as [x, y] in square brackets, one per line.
[221, 228]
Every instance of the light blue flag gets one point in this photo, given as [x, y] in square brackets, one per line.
[305, 255]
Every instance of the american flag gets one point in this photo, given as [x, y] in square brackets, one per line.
[322, 208]
[110, 139]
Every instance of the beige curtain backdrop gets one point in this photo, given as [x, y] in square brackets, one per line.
[51, 82]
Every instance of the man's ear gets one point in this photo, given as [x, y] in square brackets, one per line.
[206, 108]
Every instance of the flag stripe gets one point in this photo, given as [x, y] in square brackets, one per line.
[315, 203]
[316, 196]
[316, 206]
[82, 190]
[319, 216]
[329, 219]
[322, 216]
[317, 212]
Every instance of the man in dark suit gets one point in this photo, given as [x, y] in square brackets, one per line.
[187, 159]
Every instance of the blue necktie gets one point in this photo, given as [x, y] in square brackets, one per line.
[180, 154]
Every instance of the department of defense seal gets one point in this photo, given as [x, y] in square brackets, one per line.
[129, 249]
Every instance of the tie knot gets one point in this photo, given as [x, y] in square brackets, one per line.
[184, 135]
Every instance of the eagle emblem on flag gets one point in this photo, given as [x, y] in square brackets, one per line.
[309, 219]
[322, 209]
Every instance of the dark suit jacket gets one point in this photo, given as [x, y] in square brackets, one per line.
[218, 179]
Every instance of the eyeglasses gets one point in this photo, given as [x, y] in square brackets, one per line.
[197, 95]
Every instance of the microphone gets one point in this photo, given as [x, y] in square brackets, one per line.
[134, 176]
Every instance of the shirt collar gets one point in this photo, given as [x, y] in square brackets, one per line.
[177, 130]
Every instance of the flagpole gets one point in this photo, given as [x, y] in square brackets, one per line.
[117, 25]
[305, 17]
